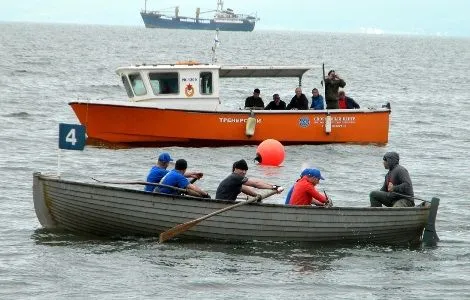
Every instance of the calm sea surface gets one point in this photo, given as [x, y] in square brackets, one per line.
[426, 79]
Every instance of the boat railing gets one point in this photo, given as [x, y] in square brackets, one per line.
[152, 12]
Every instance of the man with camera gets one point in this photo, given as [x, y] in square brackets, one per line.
[332, 84]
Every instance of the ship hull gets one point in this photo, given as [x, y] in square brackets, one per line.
[152, 20]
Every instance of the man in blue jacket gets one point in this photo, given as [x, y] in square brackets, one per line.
[176, 178]
[317, 100]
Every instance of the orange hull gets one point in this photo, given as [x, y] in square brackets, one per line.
[143, 125]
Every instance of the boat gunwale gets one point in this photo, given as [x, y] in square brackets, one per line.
[221, 201]
[239, 111]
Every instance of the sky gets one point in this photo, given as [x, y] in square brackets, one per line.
[413, 17]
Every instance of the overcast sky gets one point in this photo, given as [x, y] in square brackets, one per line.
[429, 17]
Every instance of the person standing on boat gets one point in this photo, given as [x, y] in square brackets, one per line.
[397, 181]
[255, 101]
[299, 101]
[160, 169]
[276, 104]
[332, 84]
[346, 102]
[176, 178]
[317, 100]
[304, 191]
[237, 183]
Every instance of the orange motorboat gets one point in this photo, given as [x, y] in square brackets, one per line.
[179, 104]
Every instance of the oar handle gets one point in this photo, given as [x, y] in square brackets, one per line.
[411, 197]
[141, 183]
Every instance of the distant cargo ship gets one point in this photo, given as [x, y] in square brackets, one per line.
[224, 20]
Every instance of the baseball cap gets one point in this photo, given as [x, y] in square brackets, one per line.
[312, 172]
[165, 157]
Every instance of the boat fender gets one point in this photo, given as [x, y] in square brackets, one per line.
[250, 125]
[328, 124]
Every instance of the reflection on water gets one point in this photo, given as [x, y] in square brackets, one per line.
[305, 257]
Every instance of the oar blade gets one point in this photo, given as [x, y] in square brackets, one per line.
[169, 234]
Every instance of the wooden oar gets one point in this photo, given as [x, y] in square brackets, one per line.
[178, 229]
[143, 183]
[330, 201]
[411, 197]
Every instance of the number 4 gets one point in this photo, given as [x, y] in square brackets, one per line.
[70, 137]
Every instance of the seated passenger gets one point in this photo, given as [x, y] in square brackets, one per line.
[255, 101]
[176, 179]
[345, 102]
[317, 100]
[304, 191]
[276, 104]
[299, 101]
[289, 193]
[237, 183]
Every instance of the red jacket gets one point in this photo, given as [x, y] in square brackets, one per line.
[303, 193]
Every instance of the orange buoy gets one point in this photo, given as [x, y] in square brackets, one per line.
[270, 152]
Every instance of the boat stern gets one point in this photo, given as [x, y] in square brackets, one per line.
[40, 203]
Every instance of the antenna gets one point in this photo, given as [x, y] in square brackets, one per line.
[216, 44]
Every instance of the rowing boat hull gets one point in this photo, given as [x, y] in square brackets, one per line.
[103, 210]
[139, 124]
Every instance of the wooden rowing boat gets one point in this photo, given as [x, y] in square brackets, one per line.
[108, 210]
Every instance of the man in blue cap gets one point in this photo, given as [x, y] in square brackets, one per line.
[159, 170]
[304, 191]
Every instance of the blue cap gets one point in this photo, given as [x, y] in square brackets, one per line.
[312, 172]
[165, 157]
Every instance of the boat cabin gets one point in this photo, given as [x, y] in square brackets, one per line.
[190, 85]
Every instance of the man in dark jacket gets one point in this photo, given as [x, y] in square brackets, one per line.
[332, 84]
[299, 101]
[397, 189]
[237, 183]
[346, 102]
[255, 101]
[276, 104]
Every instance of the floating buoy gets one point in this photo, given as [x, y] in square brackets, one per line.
[270, 152]
[250, 125]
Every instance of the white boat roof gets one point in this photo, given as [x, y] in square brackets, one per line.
[263, 71]
[230, 71]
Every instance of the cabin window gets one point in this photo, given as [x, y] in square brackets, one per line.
[127, 86]
[137, 84]
[205, 81]
[164, 83]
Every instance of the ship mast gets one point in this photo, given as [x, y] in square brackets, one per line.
[214, 48]
[220, 5]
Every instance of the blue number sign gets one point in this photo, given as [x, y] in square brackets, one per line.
[71, 136]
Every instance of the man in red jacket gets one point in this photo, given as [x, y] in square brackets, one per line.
[304, 191]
